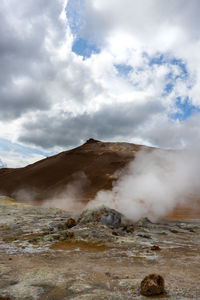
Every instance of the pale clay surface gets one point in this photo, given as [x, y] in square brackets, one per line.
[41, 259]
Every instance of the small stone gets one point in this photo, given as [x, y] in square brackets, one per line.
[155, 248]
[115, 233]
[55, 236]
[68, 235]
[70, 223]
[61, 226]
[144, 222]
[128, 228]
[152, 285]
[146, 236]
[51, 228]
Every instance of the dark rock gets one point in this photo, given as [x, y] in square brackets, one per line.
[152, 285]
[115, 233]
[128, 228]
[70, 223]
[51, 228]
[61, 226]
[146, 236]
[173, 230]
[33, 240]
[144, 222]
[155, 248]
[91, 141]
[68, 235]
[104, 215]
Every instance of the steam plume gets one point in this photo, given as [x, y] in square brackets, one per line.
[154, 183]
[70, 198]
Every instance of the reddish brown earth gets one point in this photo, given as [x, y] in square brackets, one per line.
[99, 161]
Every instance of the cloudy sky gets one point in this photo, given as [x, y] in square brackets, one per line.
[117, 70]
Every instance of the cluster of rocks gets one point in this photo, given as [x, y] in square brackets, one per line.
[152, 284]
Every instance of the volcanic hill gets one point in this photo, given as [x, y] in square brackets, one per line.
[89, 168]
[95, 160]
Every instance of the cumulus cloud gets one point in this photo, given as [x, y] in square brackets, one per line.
[2, 164]
[148, 58]
[122, 119]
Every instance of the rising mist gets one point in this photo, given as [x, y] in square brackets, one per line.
[154, 184]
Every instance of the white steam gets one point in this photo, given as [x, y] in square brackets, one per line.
[71, 197]
[154, 184]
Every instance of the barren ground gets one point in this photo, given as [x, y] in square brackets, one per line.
[41, 259]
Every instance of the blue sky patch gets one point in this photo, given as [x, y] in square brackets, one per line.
[161, 59]
[168, 88]
[156, 60]
[123, 69]
[185, 109]
[75, 12]
[83, 48]
[8, 146]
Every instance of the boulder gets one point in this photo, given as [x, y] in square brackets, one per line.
[70, 223]
[152, 285]
[104, 215]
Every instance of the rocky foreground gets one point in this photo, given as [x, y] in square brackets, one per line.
[98, 254]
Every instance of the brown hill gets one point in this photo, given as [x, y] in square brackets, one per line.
[97, 160]
[90, 167]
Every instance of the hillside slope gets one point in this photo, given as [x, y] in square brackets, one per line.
[97, 160]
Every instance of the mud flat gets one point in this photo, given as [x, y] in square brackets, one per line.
[102, 256]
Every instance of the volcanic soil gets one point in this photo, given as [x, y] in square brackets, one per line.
[42, 258]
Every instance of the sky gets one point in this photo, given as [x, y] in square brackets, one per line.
[117, 70]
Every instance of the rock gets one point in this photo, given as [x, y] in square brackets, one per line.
[61, 226]
[155, 248]
[70, 223]
[91, 141]
[128, 228]
[68, 234]
[104, 215]
[152, 285]
[146, 236]
[144, 222]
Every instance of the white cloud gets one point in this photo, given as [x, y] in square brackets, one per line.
[50, 97]
[17, 159]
